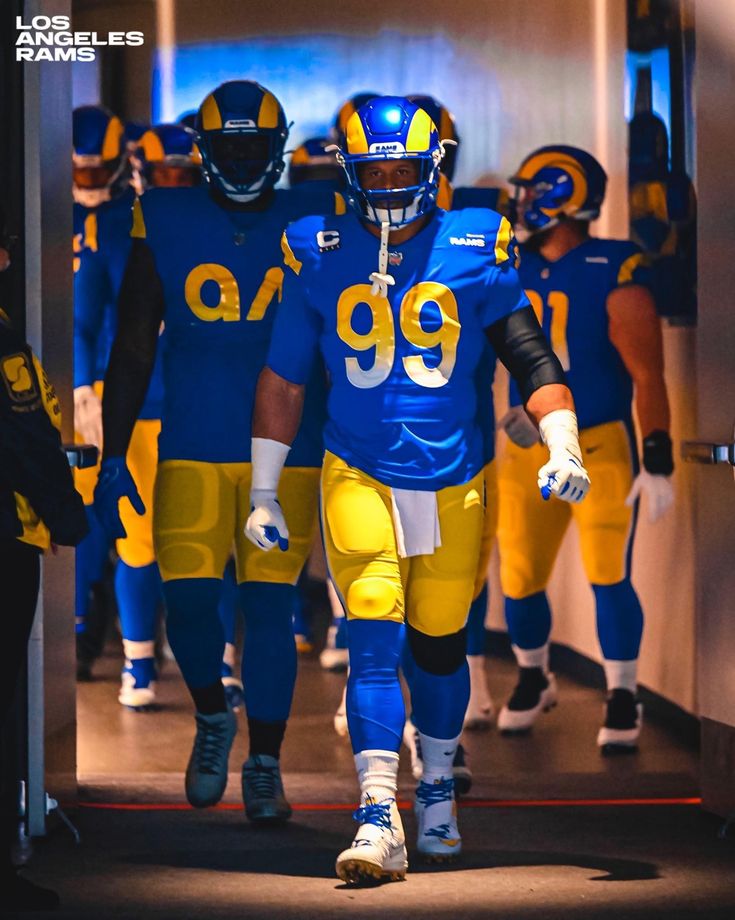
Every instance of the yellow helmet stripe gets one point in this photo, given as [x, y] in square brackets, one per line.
[268, 114]
[152, 146]
[111, 142]
[211, 115]
[419, 132]
[355, 134]
[533, 164]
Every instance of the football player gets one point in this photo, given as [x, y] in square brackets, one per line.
[206, 262]
[399, 301]
[103, 201]
[590, 296]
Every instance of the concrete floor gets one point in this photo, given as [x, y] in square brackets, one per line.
[161, 859]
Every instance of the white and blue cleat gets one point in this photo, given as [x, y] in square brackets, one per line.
[378, 851]
[436, 814]
[138, 684]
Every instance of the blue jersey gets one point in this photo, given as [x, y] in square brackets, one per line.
[222, 275]
[403, 401]
[570, 300]
[101, 247]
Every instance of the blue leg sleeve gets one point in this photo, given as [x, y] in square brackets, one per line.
[476, 632]
[439, 701]
[619, 620]
[375, 710]
[269, 650]
[89, 565]
[194, 629]
[228, 601]
[138, 592]
[529, 620]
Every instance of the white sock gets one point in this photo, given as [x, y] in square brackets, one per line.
[135, 650]
[533, 657]
[621, 675]
[438, 756]
[377, 772]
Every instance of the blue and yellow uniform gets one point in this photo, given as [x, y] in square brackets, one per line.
[569, 297]
[402, 403]
[222, 281]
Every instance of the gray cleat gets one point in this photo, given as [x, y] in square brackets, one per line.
[206, 773]
[262, 790]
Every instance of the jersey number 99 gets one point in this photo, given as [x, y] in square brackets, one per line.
[382, 334]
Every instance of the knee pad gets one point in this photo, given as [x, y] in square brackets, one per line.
[439, 655]
[371, 598]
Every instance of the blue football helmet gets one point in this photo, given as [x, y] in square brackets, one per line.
[242, 132]
[391, 128]
[167, 156]
[188, 119]
[447, 127]
[345, 112]
[556, 183]
[99, 156]
[312, 162]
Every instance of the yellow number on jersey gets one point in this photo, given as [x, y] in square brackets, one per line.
[558, 304]
[228, 308]
[381, 335]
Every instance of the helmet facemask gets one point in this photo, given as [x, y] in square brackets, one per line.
[243, 164]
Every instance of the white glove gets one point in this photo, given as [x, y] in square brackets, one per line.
[88, 415]
[266, 525]
[658, 492]
[519, 427]
[564, 475]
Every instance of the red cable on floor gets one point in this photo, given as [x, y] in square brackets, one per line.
[404, 805]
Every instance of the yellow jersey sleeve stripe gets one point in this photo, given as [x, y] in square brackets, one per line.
[138, 230]
[502, 241]
[211, 115]
[340, 206]
[90, 232]
[288, 257]
[628, 268]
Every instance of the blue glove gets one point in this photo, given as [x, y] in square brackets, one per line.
[114, 483]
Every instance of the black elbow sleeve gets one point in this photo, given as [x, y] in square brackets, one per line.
[521, 345]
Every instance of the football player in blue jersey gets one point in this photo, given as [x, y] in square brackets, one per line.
[590, 296]
[206, 261]
[399, 301]
[102, 219]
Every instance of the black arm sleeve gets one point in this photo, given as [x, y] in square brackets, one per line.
[523, 348]
[140, 308]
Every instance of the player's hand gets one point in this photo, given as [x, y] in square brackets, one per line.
[519, 427]
[658, 492]
[88, 415]
[266, 525]
[563, 476]
[114, 483]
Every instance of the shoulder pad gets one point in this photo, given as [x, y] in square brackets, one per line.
[484, 230]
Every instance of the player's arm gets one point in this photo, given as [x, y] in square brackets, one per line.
[279, 402]
[140, 308]
[91, 294]
[522, 347]
[635, 331]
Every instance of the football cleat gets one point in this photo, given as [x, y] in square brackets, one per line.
[622, 727]
[206, 773]
[138, 684]
[262, 790]
[340, 716]
[335, 656]
[378, 852]
[480, 709]
[535, 693]
[436, 814]
[460, 771]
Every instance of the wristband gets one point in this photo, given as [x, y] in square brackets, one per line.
[658, 457]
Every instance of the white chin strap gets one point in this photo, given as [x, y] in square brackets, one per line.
[381, 279]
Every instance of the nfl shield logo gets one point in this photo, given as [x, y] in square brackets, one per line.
[395, 258]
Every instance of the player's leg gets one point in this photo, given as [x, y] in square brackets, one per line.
[530, 532]
[480, 710]
[360, 543]
[228, 608]
[137, 580]
[334, 655]
[193, 526]
[268, 595]
[607, 529]
[438, 596]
